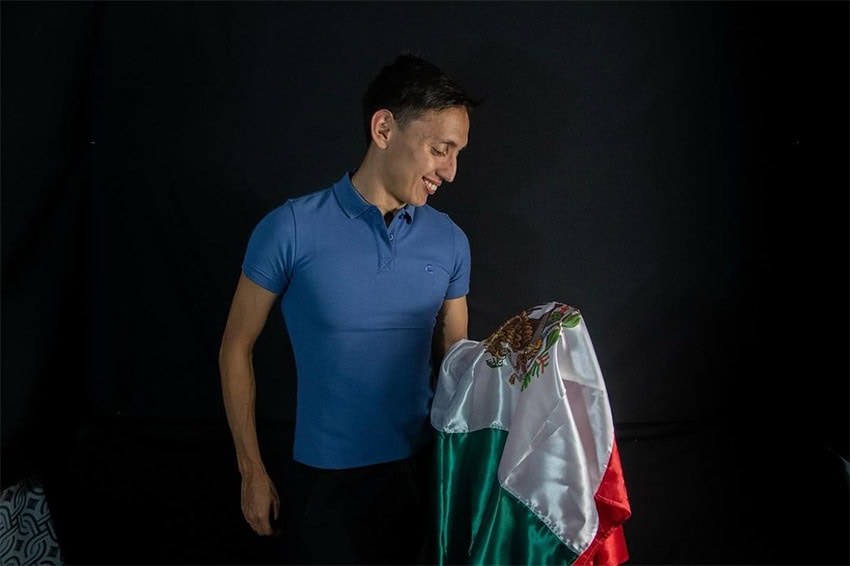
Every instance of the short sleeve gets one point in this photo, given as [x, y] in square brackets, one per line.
[459, 281]
[270, 255]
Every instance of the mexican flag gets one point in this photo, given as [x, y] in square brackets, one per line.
[527, 465]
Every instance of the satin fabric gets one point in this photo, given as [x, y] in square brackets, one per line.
[481, 523]
[525, 442]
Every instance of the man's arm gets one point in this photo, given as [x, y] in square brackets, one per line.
[452, 325]
[248, 313]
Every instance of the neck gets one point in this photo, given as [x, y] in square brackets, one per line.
[368, 182]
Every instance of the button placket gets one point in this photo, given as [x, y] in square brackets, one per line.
[386, 252]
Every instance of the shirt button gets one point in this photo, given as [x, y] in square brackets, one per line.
[391, 237]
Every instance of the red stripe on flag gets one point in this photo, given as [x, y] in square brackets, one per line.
[608, 547]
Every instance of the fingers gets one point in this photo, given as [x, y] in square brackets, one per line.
[258, 514]
[265, 527]
[260, 524]
[259, 501]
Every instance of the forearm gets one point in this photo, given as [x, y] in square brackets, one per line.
[451, 327]
[447, 341]
[239, 392]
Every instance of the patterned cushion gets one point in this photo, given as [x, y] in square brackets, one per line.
[26, 530]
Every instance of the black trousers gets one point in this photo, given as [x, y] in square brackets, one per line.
[379, 514]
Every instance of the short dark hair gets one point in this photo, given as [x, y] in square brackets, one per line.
[408, 87]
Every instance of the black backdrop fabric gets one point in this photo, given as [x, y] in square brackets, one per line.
[677, 171]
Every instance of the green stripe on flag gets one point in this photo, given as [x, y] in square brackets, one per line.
[478, 521]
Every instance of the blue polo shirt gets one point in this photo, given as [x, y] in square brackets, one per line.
[360, 301]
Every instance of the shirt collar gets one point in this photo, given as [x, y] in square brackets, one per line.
[354, 205]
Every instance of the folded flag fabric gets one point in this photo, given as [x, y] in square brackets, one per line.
[527, 466]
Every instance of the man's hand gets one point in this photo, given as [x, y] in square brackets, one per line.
[259, 498]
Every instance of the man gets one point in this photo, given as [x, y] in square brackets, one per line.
[373, 286]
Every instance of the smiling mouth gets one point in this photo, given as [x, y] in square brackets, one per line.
[431, 187]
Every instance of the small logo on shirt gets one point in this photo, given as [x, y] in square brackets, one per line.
[429, 268]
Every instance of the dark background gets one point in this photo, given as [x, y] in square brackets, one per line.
[677, 171]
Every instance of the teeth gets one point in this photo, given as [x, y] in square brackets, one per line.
[432, 188]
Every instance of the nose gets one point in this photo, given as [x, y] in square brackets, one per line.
[448, 171]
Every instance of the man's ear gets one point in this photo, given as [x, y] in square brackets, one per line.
[382, 125]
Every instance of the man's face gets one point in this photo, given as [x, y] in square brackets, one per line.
[424, 154]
